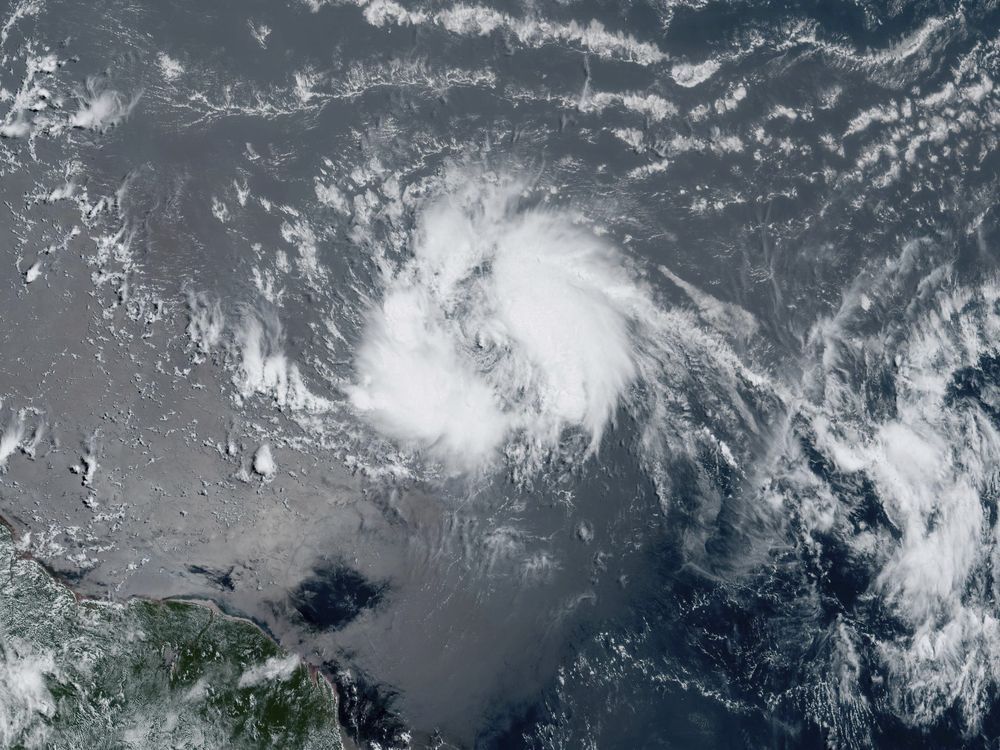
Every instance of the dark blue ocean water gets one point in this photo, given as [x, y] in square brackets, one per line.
[828, 169]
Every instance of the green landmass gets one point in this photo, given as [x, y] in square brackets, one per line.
[145, 674]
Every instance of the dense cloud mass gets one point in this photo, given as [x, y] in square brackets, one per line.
[540, 374]
[508, 323]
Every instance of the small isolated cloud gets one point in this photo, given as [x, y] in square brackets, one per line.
[101, 107]
[275, 668]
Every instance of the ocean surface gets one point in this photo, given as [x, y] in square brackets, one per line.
[550, 374]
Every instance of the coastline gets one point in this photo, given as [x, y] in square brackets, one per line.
[316, 676]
